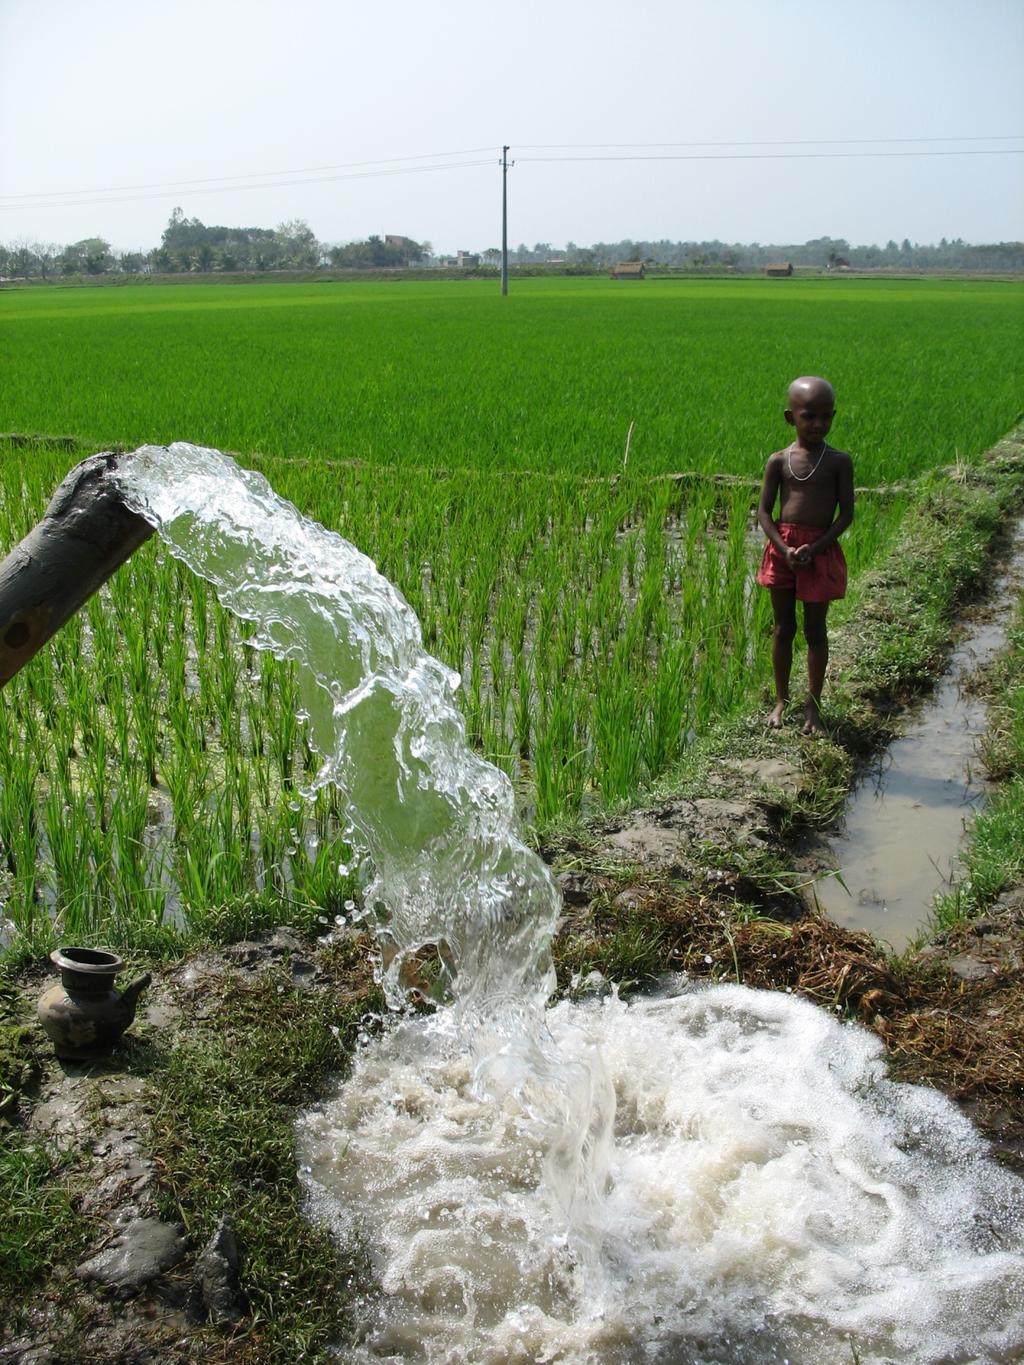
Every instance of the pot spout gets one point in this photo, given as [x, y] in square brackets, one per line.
[86, 533]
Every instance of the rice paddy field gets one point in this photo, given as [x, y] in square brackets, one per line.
[599, 608]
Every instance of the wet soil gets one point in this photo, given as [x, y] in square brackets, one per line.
[143, 1290]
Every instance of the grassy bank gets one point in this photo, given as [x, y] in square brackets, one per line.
[993, 859]
[245, 1039]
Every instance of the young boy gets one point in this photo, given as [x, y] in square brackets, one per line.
[802, 560]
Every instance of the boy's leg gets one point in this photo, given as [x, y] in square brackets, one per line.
[784, 610]
[816, 634]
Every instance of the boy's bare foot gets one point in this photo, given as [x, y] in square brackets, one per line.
[775, 719]
[813, 724]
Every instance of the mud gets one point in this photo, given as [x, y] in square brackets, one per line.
[667, 839]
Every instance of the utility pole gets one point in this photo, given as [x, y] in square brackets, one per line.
[504, 220]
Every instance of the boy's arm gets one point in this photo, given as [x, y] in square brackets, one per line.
[766, 506]
[844, 498]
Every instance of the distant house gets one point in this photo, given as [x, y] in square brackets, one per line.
[629, 270]
[779, 270]
[462, 260]
[409, 248]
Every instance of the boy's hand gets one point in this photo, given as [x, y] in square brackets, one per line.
[802, 555]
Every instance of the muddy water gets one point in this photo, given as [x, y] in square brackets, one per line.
[905, 822]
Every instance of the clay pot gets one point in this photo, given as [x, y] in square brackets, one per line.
[84, 1016]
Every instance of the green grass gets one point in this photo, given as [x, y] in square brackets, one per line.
[151, 763]
[993, 860]
[224, 1107]
[40, 1227]
[548, 379]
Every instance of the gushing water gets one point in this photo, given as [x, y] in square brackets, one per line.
[438, 822]
[769, 1194]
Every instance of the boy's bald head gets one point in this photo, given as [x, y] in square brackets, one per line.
[812, 407]
[810, 388]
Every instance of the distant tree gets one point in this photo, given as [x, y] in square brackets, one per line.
[46, 254]
[90, 256]
[24, 262]
[299, 248]
[188, 244]
[375, 254]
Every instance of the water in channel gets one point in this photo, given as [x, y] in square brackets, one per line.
[904, 824]
[721, 1175]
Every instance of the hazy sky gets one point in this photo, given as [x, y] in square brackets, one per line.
[112, 111]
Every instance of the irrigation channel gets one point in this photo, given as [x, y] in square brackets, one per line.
[905, 821]
[719, 1175]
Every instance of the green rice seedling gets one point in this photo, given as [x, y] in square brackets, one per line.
[19, 820]
[139, 889]
[893, 349]
[65, 818]
[599, 622]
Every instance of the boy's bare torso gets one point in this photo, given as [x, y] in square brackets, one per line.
[809, 491]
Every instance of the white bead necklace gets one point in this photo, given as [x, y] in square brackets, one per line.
[802, 478]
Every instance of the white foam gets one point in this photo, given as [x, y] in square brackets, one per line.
[771, 1195]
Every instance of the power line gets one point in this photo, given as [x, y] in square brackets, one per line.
[781, 156]
[776, 142]
[219, 180]
[225, 183]
[234, 189]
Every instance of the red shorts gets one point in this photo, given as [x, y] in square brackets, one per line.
[822, 580]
